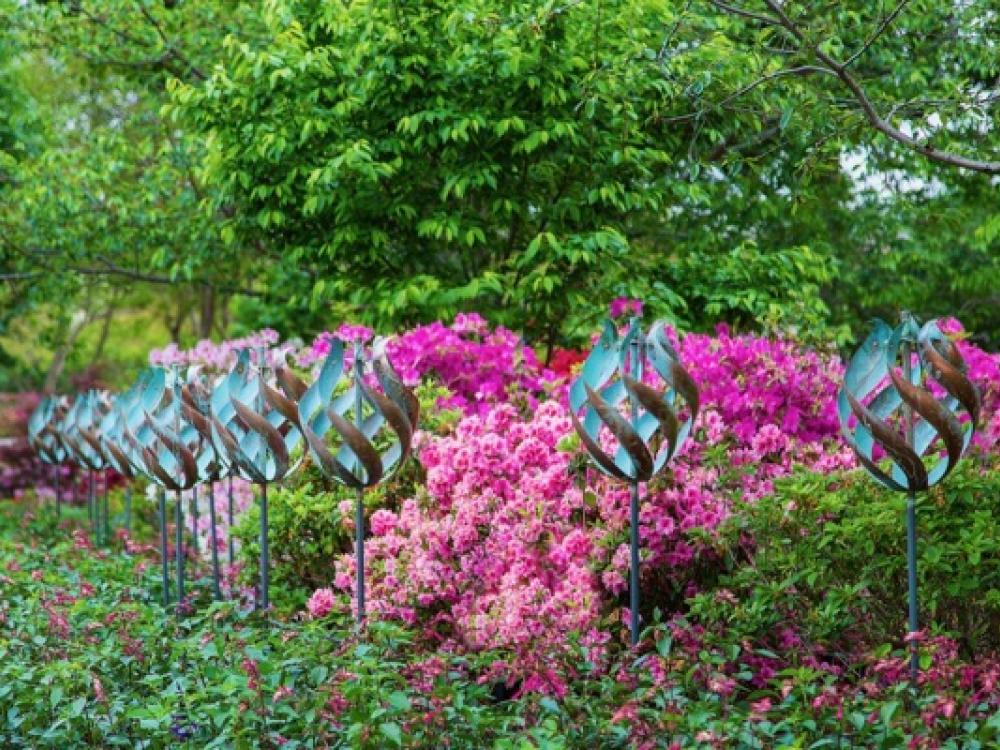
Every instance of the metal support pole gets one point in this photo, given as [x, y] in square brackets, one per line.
[194, 519]
[359, 545]
[58, 496]
[179, 511]
[911, 524]
[91, 516]
[265, 557]
[264, 561]
[216, 590]
[107, 510]
[230, 527]
[163, 548]
[634, 567]
[359, 515]
[635, 365]
[128, 508]
[911, 560]
[179, 547]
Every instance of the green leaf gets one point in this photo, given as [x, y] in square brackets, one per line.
[392, 732]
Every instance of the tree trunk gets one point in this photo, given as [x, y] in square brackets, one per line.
[77, 324]
[105, 330]
[207, 318]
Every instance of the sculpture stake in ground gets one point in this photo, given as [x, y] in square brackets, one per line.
[925, 425]
[651, 435]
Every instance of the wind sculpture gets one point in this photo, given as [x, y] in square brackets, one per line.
[212, 463]
[163, 446]
[612, 377]
[132, 436]
[112, 436]
[81, 434]
[44, 437]
[255, 428]
[885, 403]
[349, 414]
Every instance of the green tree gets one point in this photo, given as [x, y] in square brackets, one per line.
[880, 125]
[224, 164]
[102, 206]
[415, 158]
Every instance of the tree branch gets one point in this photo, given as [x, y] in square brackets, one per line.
[732, 9]
[883, 25]
[801, 70]
[171, 49]
[732, 143]
[868, 108]
[109, 268]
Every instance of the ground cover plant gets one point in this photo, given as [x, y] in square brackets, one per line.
[772, 576]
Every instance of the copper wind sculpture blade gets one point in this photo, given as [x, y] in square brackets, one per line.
[117, 449]
[352, 412]
[611, 378]
[82, 435]
[255, 428]
[885, 403]
[136, 435]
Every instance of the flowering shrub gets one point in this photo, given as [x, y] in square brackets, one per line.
[834, 547]
[771, 575]
[511, 545]
[480, 366]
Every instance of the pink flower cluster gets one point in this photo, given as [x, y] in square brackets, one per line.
[221, 356]
[321, 603]
[504, 549]
[492, 553]
[754, 382]
[984, 370]
[623, 306]
[480, 365]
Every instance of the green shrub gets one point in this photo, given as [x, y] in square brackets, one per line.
[89, 659]
[828, 555]
[306, 532]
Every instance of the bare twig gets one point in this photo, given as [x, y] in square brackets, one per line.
[883, 25]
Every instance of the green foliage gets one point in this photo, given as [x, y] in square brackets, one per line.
[164, 681]
[100, 203]
[306, 533]
[88, 658]
[223, 165]
[490, 154]
[777, 291]
[829, 557]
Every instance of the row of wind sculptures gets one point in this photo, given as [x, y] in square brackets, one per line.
[180, 431]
